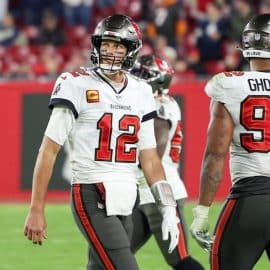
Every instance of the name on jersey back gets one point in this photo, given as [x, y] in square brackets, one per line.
[259, 84]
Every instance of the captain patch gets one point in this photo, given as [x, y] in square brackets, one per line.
[92, 96]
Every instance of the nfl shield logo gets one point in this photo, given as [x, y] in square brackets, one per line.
[257, 36]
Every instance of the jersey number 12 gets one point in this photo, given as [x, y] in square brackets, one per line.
[104, 151]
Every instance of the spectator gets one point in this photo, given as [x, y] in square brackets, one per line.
[169, 20]
[9, 33]
[18, 62]
[78, 12]
[49, 61]
[32, 10]
[188, 57]
[50, 30]
[132, 8]
[3, 9]
[163, 50]
[211, 33]
[78, 59]
[241, 13]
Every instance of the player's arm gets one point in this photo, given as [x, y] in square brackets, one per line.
[154, 173]
[148, 156]
[151, 165]
[162, 192]
[162, 128]
[219, 137]
[35, 224]
[59, 126]
[42, 172]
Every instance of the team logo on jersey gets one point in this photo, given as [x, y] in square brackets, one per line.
[92, 96]
[161, 111]
[56, 89]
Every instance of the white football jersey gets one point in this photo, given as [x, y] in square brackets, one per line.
[246, 95]
[104, 140]
[168, 109]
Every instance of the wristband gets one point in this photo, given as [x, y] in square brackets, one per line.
[202, 210]
[163, 193]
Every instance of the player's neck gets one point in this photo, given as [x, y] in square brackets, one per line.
[118, 77]
[259, 64]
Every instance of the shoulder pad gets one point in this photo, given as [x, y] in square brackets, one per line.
[218, 86]
[228, 78]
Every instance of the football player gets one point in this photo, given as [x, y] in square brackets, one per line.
[168, 131]
[239, 124]
[107, 118]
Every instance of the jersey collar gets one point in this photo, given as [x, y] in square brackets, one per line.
[106, 80]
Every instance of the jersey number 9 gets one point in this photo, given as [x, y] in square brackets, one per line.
[255, 116]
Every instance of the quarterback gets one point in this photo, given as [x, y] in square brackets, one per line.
[106, 116]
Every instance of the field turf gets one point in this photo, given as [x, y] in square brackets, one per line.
[65, 248]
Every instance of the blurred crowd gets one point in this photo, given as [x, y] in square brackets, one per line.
[40, 39]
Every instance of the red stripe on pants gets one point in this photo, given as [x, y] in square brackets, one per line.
[182, 248]
[89, 229]
[219, 231]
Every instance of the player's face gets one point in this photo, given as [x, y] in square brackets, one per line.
[112, 52]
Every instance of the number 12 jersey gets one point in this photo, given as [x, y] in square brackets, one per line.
[105, 138]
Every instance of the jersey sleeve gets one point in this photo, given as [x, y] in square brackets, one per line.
[169, 110]
[147, 137]
[216, 87]
[150, 109]
[162, 112]
[60, 124]
[66, 93]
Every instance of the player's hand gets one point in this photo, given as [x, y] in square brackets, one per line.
[170, 226]
[35, 227]
[200, 226]
[205, 240]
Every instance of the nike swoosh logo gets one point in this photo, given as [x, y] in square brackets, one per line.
[63, 77]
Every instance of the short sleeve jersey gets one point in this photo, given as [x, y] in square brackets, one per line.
[246, 96]
[104, 138]
[169, 110]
